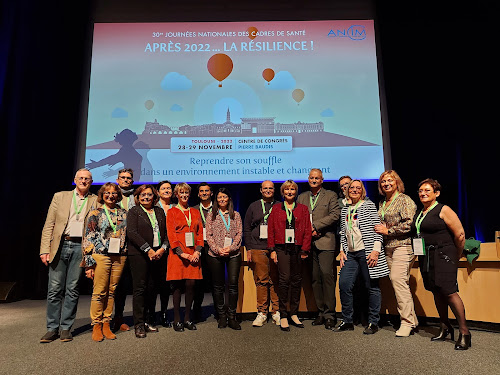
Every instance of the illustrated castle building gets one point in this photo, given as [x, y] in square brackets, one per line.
[248, 126]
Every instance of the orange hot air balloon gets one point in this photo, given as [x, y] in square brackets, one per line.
[298, 95]
[252, 32]
[220, 66]
[268, 74]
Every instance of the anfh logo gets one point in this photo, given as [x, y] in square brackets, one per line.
[355, 32]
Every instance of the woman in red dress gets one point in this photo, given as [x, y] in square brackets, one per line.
[185, 233]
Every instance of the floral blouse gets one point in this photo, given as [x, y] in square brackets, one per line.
[99, 231]
[398, 218]
[216, 232]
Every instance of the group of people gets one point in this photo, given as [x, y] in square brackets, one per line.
[173, 248]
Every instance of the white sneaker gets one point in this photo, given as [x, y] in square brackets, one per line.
[276, 318]
[260, 320]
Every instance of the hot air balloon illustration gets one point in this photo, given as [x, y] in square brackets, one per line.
[298, 95]
[220, 66]
[252, 32]
[268, 74]
[149, 104]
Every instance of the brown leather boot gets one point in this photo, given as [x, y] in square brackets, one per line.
[106, 331]
[97, 332]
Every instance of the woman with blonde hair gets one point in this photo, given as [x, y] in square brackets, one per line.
[361, 252]
[185, 232]
[289, 242]
[396, 213]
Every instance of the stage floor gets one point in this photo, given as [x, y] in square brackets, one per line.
[210, 350]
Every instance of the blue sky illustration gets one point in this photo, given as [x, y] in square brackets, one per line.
[119, 113]
[283, 80]
[174, 81]
[327, 113]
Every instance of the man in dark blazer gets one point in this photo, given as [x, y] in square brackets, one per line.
[325, 212]
[61, 251]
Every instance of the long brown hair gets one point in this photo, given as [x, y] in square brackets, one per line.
[230, 206]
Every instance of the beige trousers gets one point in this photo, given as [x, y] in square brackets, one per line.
[400, 261]
[107, 273]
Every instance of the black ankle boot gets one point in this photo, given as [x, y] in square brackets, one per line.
[233, 324]
[443, 333]
[463, 342]
[164, 320]
[222, 322]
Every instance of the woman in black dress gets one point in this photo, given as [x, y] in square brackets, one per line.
[443, 241]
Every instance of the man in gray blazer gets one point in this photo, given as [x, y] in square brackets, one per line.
[61, 251]
[325, 212]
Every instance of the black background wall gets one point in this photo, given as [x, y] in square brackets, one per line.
[438, 66]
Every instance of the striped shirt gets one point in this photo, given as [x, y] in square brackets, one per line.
[367, 218]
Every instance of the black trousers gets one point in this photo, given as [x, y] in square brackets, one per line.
[218, 267]
[147, 279]
[324, 276]
[204, 284]
[290, 278]
[160, 286]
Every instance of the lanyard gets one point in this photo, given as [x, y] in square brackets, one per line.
[77, 211]
[383, 210]
[202, 214]
[188, 219]
[264, 211]
[419, 220]
[313, 202]
[350, 215]
[227, 223]
[154, 222]
[111, 224]
[289, 213]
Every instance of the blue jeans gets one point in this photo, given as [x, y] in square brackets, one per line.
[356, 262]
[63, 293]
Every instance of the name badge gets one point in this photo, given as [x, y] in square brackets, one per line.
[311, 219]
[114, 246]
[189, 237]
[156, 241]
[418, 246]
[204, 234]
[289, 236]
[228, 241]
[263, 232]
[75, 228]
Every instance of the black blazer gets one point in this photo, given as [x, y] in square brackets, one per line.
[140, 231]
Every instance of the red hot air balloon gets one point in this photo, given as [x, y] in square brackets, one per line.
[220, 66]
[252, 32]
[268, 74]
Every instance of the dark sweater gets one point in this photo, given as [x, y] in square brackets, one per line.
[254, 217]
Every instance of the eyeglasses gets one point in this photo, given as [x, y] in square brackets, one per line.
[84, 179]
[358, 188]
[146, 195]
[108, 193]
[125, 178]
[425, 191]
